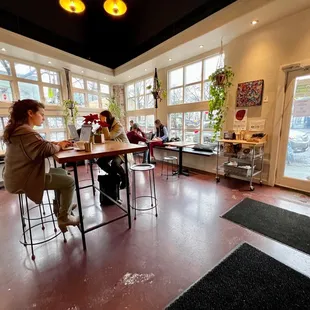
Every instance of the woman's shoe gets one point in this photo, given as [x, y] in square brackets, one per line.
[70, 220]
[56, 207]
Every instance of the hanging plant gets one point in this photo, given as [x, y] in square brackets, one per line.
[157, 91]
[70, 111]
[220, 82]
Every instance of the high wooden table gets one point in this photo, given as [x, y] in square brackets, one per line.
[180, 145]
[110, 148]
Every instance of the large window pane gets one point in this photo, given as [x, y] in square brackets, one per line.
[206, 91]
[149, 82]
[176, 78]
[79, 122]
[141, 120]
[149, 123]
[192, 136]
[207, 136]
[193, 73]
[26, 72]
[176, 96]
[130, 91]
[93, 101]
[139, 88]
[55, 122]
[51, 95]
[91, 85]
[105, 88]
[176, 121]
[105, 102]
[28, 91]
[5, 91]
[57, 136]
[131, 104]
[175, 134]
[149, 101]
[79, 98]
[192, 93]
[48, 76]
[192, 120]
[140, 102]
[78, 82]
[209, 66]
[5, 68]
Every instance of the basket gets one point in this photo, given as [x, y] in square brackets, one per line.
[238, 171]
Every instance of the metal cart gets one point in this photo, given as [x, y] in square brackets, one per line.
[247, 163]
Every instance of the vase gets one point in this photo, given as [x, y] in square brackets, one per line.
[220, 79]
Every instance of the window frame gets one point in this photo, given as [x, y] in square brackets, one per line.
[87, 92]
[13, 79]
[184, 85]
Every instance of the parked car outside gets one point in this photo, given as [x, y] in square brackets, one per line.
[298, 140]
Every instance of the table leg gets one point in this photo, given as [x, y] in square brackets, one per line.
[78, 197]
[92, 175]
[181, 170]
[127, 192]
[148, 154]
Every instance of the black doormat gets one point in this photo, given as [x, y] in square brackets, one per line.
[285, 226]
[247, 279]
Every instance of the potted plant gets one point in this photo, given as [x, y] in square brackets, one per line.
[93, 119]
[157, 91]
[70, 111]
[115, 108]
[220, 82]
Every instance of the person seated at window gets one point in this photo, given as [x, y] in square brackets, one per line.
[24, 169]
[134, 137]
[161, 137]
[115, 131]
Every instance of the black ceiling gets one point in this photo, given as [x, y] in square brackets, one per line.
[97, 36]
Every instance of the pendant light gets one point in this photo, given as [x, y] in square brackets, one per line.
[115, 7]
[72, 6]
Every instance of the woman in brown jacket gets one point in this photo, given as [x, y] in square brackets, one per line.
[26, 150]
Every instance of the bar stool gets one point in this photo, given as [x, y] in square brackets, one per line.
[153, 200]
[33, 222]
[169, 160]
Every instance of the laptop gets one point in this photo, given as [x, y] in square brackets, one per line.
[85, 134]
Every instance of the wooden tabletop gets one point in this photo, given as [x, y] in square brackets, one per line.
[109, 148]
[180, 143]
[241, 142]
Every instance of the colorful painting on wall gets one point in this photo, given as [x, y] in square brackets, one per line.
[250, 94]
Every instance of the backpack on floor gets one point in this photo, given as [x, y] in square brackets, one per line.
[109, 184]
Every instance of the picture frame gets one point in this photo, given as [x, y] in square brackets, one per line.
[250, 94]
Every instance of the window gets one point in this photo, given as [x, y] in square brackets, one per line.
[53, 128]
[191, 126]
[138, 96]
[90, 93]
[190, 84]
[3, 122]
[146, 123]
[29, 82]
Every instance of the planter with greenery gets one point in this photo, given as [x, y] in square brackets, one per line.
[220, 82]
[157, 92]
[115, 108]
[70, 111]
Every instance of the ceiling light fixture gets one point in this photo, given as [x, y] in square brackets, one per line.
[73, 6]
[50, 62]
[201, 46]
[82, 71]
[3, 49]
[115, 7]
[129, 76]
[254, 22]
[170, 59]
[145, 69]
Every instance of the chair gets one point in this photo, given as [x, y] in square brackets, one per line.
[153, 200]
[170, 160]
[42, 220]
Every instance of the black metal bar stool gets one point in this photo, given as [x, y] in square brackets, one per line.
[42, 220]
[153, 200]
[170, 160]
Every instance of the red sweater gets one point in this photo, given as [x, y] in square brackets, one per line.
[134, 138]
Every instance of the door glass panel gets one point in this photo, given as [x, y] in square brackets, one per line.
[297, 163]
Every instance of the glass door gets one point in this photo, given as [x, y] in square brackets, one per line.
[294, 157]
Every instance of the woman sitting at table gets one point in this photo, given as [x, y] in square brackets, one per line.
[161, 137]
[24, 170]
[115, 131]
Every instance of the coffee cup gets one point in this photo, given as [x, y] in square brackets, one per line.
[88, 146]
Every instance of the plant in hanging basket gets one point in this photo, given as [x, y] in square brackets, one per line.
[157, 91]
[70, 111]
[220, 82]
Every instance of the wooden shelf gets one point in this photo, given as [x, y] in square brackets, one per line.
[241, 142]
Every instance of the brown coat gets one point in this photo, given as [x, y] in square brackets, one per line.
[24, 169]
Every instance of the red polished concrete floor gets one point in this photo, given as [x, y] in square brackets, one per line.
[142, 268]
